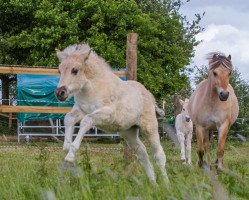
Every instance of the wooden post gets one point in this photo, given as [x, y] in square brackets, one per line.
[5, 89]
[131, 56]
[131, 74]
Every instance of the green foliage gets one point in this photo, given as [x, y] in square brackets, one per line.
[31, 30]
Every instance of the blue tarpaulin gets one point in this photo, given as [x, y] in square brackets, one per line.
[38, 90]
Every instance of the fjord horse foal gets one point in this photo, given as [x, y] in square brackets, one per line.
[103, 100]
[184, 131]
[214, 105]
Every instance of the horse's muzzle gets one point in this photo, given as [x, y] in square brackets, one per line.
[223, 95]
[187, 119]
[61, 93]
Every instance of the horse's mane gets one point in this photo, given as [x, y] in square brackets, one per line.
[217, 59]
[78, 49]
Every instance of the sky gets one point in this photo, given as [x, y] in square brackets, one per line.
[226, 29]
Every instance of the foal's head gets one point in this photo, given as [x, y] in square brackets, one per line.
[220, 68]
[73, 70]
[185, 109]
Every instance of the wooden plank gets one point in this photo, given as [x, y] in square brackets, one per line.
[26, 70]
[38, 70]
[34, 109]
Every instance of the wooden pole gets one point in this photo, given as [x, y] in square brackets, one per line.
[5, 90]
[131, 74]
[131, 56]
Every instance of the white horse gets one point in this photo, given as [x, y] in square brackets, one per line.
[103, 100]
[184, 130]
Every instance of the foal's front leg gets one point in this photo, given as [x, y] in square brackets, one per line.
[188, 147]
[181, 139]
[100, 116]
[71, 118]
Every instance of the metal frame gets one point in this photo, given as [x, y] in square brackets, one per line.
[57, 129]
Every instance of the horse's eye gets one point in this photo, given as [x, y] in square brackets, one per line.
[183, 109]
[59, 71]
[215, 74]
[74, 71]
[230, 73]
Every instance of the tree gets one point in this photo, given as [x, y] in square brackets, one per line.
[31, 30]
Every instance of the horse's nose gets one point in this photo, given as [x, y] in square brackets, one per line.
[224, 95]
[187, 119]
[61, 93]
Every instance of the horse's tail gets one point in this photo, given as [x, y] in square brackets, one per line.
[160, 112]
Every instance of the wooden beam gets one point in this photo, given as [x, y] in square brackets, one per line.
[34, 109]
[26, 70]
[39, 70]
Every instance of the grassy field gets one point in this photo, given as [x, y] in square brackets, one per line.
[36, 172]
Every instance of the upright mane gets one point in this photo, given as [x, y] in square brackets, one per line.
[76, 49]
[217, 59]
[81, 49]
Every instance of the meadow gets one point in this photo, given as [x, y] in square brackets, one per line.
[36, 171]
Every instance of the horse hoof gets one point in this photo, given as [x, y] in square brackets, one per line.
[200, 164]
[154, 184]
[183, 161]
[219, 170]
[69, 158]
[206, 166]
[69, 166]
[166, 181]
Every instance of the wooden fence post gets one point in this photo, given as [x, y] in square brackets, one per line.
[131, 56]
[131, 74]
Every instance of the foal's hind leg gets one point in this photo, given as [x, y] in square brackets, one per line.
[131, 137]
[181, 139]
[150, 130]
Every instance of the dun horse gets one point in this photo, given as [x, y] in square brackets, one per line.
[214, 105]
[184, 131]
[105, 101]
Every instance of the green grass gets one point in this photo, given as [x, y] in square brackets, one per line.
[36, 172]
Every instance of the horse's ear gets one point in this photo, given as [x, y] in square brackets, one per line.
[88, 54]
[215, 56]
[229, 57]
[181, 102]
[84, 55]
[60, 54]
